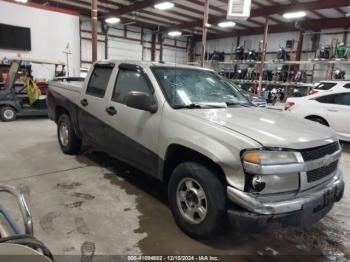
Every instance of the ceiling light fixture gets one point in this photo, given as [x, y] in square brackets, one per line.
[112, 20]
[22, 1]
[164, 5]
[227, 24]
[174, 33]
[294, 15]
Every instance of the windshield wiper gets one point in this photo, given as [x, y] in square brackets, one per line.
[237, 104]
[198, 105]
[190, 106]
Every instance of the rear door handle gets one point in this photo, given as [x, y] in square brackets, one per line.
[84, 103]
[111, 110]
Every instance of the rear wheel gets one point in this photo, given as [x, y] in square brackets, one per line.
[7, 114]
[198, 200]
[318, 120]
[69, 142]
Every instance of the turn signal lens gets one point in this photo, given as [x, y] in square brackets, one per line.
[252, 157]
[269, 157]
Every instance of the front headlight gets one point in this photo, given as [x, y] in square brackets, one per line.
[269, 157]
[268, 171]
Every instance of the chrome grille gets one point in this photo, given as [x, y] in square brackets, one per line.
[319, 152]
[321, 172]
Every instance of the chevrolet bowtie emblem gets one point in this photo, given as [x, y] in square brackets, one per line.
[327, 160]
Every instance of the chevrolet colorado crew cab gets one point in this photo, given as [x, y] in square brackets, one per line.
[224, 161]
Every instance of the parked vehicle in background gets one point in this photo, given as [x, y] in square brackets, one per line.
[26, 100]
[332, 85]
[254, 99]
[222, 159]
[327, 108]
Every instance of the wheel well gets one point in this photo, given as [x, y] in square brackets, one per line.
[177, 154]
[14, 108]
[59, 111]
[319, 117]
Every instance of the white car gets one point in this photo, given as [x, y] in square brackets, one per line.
[328, 108]
[332, 85]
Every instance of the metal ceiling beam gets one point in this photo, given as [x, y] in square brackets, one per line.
[118, 5]
[54, 3]
[131, 8]
[309, 6]
[278, 9]
[312, 24]
[318, 14]
[313, 12]
[340, 10]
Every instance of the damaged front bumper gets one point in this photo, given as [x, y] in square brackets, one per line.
[258, 214]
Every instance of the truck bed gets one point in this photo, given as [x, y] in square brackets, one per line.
[69, 89]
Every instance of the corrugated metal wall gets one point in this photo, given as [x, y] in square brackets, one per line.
[128, 45]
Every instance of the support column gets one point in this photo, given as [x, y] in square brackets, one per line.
[205, 30]
[142, 42]
[106, 44]
[161, 41]
[263, 55]
[346, 35]
[299, 50]
[153, 47]
[94, 7]
[191, 47]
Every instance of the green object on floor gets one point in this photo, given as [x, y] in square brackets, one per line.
[33, 90]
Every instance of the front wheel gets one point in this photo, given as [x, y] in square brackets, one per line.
[69, 142]
[198, 200]
[7, 114]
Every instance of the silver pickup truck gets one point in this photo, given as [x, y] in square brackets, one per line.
[224, 161]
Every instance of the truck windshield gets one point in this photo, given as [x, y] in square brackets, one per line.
[193, 88]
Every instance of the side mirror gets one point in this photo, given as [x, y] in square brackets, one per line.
[141, 101]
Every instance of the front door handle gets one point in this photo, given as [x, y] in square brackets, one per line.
[111, 110]
[333, 110]
[84, 103]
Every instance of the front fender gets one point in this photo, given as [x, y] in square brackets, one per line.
[13, 104]
[221, 145]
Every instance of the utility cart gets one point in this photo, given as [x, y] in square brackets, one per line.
[23, 98]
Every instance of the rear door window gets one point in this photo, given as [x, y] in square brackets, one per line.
[342, 99]
[328, 99]
[326, 86]
[99, 80]
[347, 86]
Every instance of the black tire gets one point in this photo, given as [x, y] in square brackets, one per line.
[318, 120]
[72, 145]
[215, 220]
[8, 113]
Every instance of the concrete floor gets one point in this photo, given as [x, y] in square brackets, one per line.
[93, 201]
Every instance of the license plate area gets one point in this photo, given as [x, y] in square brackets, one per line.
[328, 198]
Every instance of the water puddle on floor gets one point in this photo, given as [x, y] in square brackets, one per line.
[328, 240]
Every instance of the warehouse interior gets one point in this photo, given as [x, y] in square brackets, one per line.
[289, 60]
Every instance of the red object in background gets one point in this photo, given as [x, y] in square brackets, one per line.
[4, 76]
[313, 91]
[43, 88]
[290, 104]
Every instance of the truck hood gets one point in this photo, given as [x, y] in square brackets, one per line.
[268, 127]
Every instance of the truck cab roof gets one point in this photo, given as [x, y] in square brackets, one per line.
[150, 64]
